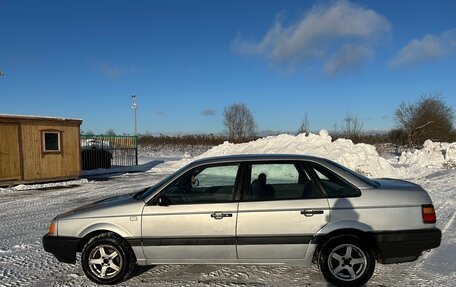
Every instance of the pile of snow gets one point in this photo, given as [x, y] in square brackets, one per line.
[360, 157]
[432, 155]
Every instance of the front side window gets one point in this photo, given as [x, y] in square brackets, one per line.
[275, 181]
[204, 185]
[51, 141]
[333, 184]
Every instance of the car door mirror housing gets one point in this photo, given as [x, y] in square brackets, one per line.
[195, 182]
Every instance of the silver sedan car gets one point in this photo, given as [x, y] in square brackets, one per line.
[252, 209]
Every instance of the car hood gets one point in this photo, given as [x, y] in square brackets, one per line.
[391, 183]
[123, 205]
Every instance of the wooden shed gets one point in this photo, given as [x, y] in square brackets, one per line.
[38, 149]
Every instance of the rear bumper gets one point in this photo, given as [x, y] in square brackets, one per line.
[63, 248]
[405, 245]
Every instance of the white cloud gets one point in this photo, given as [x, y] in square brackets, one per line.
[348, 58]
[115, 73]
[324, 33]
[428, 48]
[111, 72]
[208, 112]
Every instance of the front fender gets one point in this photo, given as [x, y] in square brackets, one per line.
[107, 227]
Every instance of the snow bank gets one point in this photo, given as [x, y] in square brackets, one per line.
[122, 169]
[360, 157]
[44, 185]
[432, 155]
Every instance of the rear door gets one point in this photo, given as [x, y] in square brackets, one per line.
[282, 209]
[197, 221]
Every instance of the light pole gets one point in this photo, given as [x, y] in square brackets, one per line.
[134, 110]
[133, 97]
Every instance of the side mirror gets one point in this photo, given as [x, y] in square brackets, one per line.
[163, 201]
[195, 182]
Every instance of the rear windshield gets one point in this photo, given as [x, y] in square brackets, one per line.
[359, 176]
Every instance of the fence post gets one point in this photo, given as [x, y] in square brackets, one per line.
[136, 149]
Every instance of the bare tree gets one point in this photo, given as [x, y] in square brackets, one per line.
[239, 121]
[428, 118]
[351, 126]
[110, 132]
[336, 128]
[305, 125]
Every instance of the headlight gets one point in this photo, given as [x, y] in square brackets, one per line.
[53, 228]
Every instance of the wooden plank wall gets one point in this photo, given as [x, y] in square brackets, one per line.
[48, 166]
[10, 168]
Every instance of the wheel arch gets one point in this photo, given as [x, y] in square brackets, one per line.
[89, 236]
[108, 227]
[321, 239]
[100, 228]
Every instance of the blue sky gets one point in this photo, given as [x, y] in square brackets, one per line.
[187, 60]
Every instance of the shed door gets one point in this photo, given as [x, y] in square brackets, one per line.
[9, 152]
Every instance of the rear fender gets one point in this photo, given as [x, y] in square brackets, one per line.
[344, 224]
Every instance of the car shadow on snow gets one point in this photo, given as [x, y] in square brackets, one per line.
[139, 270]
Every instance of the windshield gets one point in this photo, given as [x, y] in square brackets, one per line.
[146, 192]
[359, 176]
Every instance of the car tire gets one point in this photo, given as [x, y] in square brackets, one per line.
[107, 259]
[346, 261]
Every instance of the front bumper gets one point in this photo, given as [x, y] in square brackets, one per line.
[63, 248]
[406, 245]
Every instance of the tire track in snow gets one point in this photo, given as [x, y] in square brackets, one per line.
[449, 223]
[25, 217]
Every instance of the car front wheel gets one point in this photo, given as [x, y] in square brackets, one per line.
[107, 259]
[347, 261]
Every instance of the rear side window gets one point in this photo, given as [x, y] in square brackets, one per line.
[276, 181]
[334, 185]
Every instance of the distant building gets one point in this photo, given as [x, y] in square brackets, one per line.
[38, 149]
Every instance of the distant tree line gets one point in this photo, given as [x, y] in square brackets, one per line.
[427, 118]
[184, 140]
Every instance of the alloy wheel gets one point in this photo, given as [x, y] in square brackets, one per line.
[347, 262]
[105, 261]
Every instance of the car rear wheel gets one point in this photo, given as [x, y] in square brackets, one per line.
[347, 261]
[107, 259]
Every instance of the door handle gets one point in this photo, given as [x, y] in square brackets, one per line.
[311, 212]
[221, 215]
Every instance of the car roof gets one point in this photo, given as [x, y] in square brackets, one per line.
[255, 157]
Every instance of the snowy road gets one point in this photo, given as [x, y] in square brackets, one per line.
[25, 216]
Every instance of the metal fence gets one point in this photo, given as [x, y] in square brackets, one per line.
[103, 151]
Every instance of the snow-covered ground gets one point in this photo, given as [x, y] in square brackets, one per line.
[26, 211]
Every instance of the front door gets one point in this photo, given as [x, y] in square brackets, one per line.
[282, 209]
[196, 219]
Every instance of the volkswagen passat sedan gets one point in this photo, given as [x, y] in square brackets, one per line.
[252, 209]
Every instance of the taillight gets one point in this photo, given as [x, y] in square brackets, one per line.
[428, 212]
[52, 229]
